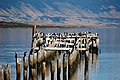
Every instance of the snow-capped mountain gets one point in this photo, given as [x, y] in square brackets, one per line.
[61, 12]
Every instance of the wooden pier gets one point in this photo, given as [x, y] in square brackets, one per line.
[43, 49]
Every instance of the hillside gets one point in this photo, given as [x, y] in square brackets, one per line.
[61, 12]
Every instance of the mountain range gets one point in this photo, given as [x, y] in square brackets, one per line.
[61, 12]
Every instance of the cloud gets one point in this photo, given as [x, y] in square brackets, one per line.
[110, 14]
[112, 7]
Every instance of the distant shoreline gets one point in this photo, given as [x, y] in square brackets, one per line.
[22, 25]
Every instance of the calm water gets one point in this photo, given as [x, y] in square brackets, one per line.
[106, 67]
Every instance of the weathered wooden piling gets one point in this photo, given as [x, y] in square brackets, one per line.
[92, 49]
[25, 64]
[25, 75]
[38, 62]
[58, 69]
[35, 60]
[40, 59]
[64, 67]
[30, 65]
[7, 70]
[69, 67]
[33, 35]
[1, 73]
[43, 71]
[18, 67]
[33, 74]
[34, 30]
[52, 69]
[86, 67]
[97, 43]
[86, 60]
[16, 62]
[80, 54]
[34, 43]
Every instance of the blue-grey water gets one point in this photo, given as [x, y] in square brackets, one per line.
[106, 67]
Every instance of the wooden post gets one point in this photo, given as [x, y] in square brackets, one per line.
[69, 67]
[18, 67]
[38, 62]
[7, 72]
[33, 34]
[64, 67]
[34, 74]
[86, 67]
[58, 68]
[30, 65]
[16, 63]
[52, 69]
[25, 75]
[78, 57]
[34, 30]
[97, 51]
[35, 60]
[25, 63]
[1, 73]
[86, 59]
[34, 69]
[43, 71]
[92, 49]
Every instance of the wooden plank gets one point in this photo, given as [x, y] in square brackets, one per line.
[64, 43]
[67, 39]
[55, 48]
[82, 49]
